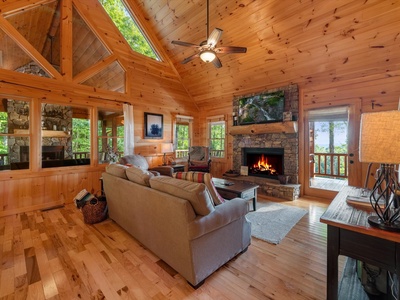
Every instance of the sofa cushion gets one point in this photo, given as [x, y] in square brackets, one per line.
[134, 160]
[138, 175]
[205, 178]
[196, 193]
[117, 170]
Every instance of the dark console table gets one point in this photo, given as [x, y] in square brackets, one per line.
[350, 234]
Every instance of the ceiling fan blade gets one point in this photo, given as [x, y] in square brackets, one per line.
[185, 44]
[217, 63]
[190, 58]
[214, 37]
[231, 49]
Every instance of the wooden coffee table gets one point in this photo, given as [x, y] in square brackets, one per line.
[233, 189]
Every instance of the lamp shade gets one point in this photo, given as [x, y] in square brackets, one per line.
[380, 137]
[207, 56]
[167, 148]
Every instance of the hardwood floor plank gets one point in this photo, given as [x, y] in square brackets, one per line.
[55, 255]
[6, 281]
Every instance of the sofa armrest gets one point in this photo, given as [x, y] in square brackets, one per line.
[163, 170]
[223, 214]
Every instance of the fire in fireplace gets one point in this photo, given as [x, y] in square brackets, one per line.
[264, 162]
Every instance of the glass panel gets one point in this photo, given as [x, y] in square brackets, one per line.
[87, 48]
[182, 140]
[65, 136]
[110, 136]
[40, 26]
[111, 78]
[13, 58]
[14, 128]
[217, 141]
[126, 24]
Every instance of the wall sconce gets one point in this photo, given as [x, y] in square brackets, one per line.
[166, 148]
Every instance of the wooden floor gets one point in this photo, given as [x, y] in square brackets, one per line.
[54, 255]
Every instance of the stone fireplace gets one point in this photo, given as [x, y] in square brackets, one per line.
[263, 147]
[263, 162]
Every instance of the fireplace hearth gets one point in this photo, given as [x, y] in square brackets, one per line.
[263, 162]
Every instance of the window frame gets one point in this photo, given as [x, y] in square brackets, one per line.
[111, 154]
[182, 120]
[24, 133]
[215, 121]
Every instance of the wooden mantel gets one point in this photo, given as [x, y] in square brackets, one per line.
[45, 133]
[278, 127]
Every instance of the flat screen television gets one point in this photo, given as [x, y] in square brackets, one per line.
[261, 108]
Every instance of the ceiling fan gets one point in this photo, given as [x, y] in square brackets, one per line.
[207, 50]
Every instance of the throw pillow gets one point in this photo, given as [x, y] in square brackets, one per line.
[196, 193]
[117, 170]
[205, 178]
[139, 175]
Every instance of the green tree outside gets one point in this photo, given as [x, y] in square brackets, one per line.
[182, 136]
[3, 129]
[80, 135]
[332, 129]
[126, 25]
[217, 139]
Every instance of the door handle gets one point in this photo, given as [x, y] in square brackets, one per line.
[351, 161]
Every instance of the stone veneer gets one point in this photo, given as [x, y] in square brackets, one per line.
[52, 115]
[288, 141]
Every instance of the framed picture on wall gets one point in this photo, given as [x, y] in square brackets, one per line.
[153, 126]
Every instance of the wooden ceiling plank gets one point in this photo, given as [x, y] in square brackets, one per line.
[28, 48]
[66, 40]
[91, 71]
[15, 6]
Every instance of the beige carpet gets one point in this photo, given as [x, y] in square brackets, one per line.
[272, 221]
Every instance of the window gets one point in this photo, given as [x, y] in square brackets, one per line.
[122, 18]
[14, 134]
[182, 140]
[110, 135]
[183, 134]
[217, 138]
[65, 136]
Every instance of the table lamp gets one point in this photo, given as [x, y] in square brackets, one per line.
[166, 148]
[380, 143]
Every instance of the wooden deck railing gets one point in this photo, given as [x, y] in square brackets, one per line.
[329, 165]
[217, 153]
[80, 155]
[181, 153]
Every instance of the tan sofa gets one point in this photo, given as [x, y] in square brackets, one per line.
[177, 220]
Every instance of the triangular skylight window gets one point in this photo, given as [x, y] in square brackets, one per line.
[128, 27]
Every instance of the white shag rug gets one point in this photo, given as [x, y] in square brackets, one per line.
[272, 221]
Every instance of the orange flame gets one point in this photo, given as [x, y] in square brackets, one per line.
[263, 165]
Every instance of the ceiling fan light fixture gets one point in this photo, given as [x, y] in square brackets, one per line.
[207, 56]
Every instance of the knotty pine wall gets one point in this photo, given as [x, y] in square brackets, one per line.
[151, 86]
[373, 93]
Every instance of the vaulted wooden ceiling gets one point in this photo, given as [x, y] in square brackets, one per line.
[308, 42]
